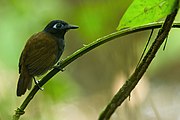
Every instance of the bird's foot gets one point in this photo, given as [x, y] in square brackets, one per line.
[37, 83]
[57, 66]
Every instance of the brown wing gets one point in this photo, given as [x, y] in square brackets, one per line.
[40, 53]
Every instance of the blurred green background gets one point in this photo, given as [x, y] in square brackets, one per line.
[86, 86]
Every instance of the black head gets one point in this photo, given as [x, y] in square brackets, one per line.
[58, 28]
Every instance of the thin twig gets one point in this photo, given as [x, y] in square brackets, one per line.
[149, 39]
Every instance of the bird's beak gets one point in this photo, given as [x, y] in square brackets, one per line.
[72, 27]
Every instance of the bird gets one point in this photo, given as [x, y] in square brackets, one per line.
[41, 52]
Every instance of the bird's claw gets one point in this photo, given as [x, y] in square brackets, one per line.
[57, 66]
[37, 83]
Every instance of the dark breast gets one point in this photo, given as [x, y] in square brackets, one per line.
[61, 45]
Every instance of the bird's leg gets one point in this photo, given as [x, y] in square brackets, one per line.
[57, 66]
[37, 83]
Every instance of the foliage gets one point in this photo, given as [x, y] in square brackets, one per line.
[146, 11]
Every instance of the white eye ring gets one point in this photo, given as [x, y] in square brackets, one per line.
[57, 25]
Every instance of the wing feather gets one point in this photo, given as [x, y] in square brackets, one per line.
[41, 51]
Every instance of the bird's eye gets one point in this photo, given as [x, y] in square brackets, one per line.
[57, 26]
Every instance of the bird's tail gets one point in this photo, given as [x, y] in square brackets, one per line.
[24, 83]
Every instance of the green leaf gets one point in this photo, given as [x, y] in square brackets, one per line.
[143, 12]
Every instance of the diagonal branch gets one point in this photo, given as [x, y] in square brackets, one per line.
[87, 48]
[130, 84]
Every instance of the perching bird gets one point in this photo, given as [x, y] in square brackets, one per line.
[41, 53]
